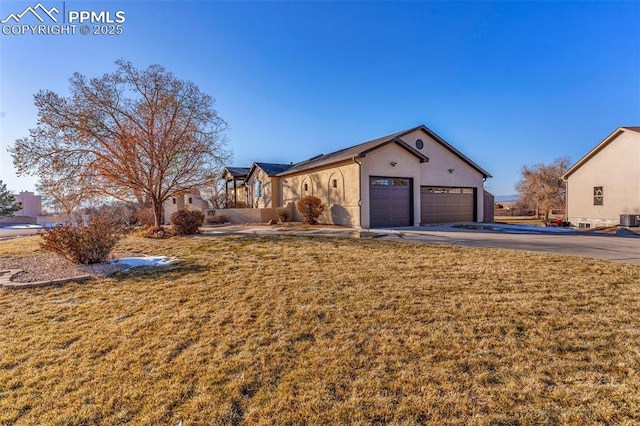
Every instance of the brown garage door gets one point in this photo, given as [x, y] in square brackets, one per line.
[446, 204]
[390, 201]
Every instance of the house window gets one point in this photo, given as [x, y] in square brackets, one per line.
[334, 183]
[173, 200]
[258, 187]
[598, 196]
[306, 187]
[419, 144]
[190, 200]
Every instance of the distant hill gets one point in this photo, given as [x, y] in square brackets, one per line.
[504, 198]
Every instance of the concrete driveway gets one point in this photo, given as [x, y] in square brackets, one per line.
[600, 246]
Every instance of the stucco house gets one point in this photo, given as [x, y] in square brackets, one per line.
[605, 183]
[187, 201]
[31, 204]
[263, 184]
[408, 178]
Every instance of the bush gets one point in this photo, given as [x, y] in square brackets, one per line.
[84, 244]
[310, 208]
[157, 233]
[124, 214]
[186, 222]
[216, 218]
[146, 217]
[283, 216]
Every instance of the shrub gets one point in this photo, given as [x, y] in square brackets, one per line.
[216, 218]
[124, 214]
[84, 244]
[310, 208]
[186, 222]
[283, 216]
[145, 216]
[157, 233]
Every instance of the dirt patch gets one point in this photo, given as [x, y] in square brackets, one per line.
[44, 267]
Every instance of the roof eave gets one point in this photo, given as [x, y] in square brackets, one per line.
[402, 144]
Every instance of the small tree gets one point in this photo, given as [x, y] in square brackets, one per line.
[8, 205]
[310, 208]
[541, 187]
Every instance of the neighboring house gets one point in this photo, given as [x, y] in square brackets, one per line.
[263, 184]
[238, 193]
[31, 204]
[187, 201]
[408, 178]
[605, 183]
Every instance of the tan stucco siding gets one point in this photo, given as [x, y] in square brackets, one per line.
[437, 171]
[341, 201]
[269, 196]
[390, 161]
[190, 201]
[616, 168]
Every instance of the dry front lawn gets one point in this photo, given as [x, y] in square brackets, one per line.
[295, 330]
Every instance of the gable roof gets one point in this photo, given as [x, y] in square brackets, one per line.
[598, 148]
[361, 150]
[236, 171]
[451, 148]
[271, 169]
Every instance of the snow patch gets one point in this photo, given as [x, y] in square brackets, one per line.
[133, 262]
[22, 227]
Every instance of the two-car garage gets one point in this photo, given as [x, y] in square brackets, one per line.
[391, 203]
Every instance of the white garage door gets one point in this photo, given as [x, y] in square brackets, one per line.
[446, 204]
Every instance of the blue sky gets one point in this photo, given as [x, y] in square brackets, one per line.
[507, 83]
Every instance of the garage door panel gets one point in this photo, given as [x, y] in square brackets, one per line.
[390, 201]
[446, 204]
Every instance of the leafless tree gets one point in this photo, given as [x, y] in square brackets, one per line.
[541, 187]
[132, 134]
[213, 192]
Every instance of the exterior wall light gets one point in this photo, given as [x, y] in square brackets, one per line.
[393, 164]
[450, 170]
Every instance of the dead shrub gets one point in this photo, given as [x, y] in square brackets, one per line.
[83, 244]
[283, 216]
[158, 233]
[310, 208]
[186, 222]
[146, 217]
[216, 219]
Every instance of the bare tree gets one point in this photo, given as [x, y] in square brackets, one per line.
[132, 134]
[213, 192]
[63, 193]
[541, 187]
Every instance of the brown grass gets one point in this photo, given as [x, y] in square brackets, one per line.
[294, 330]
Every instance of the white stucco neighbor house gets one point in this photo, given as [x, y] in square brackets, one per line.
[408, 178]
[605, 183]
[31, 204]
